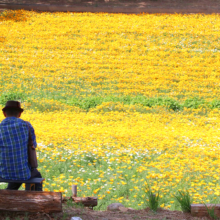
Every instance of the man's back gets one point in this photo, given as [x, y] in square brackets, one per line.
[16, 136]
[13, 149]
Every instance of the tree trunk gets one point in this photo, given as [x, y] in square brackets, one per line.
[86, 201]
[30, 201]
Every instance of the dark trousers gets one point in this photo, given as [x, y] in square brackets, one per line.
[34, 173]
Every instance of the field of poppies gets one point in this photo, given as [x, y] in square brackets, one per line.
[118, 101]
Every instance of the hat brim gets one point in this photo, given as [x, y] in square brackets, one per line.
[9, 107]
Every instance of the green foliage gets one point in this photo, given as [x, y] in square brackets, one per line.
[65, 215]
[167, 102]
[153, 199]
[70, 202]
[215, 104]
[86, 103]
[26, 216]
[211, 212]
[7, 96]
[184, 200]
[92, 102]
[194, 103]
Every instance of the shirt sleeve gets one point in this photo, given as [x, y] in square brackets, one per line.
[33, 136]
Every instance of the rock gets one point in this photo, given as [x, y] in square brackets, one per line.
[114, 207]
[123, 209]
[75, 218]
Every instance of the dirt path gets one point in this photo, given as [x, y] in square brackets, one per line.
[117, 6]
[86, 214]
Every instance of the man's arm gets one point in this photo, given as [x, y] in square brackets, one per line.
[33, 136]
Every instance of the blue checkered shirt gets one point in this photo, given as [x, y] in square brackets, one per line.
[13, 148]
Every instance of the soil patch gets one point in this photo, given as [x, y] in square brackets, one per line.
[117, 6]
[86, 214]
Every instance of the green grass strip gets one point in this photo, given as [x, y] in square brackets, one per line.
[91, 102]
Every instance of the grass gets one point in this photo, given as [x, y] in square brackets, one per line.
[184, 199]
[211, 212]
[88, 103]
[152, 199]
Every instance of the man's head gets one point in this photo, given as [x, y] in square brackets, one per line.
[12, 109]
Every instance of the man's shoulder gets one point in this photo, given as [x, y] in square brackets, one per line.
[13, 120]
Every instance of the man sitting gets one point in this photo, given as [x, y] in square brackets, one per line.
[14, 136]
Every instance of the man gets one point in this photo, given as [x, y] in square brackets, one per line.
[14, 135]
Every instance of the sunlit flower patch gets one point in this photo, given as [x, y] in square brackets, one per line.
[113, 150]
[60, 55]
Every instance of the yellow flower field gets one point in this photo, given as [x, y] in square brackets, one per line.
[113, 150]
[83, 54]
[114, 155]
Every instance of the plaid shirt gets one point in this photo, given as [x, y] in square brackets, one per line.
[13, 148]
